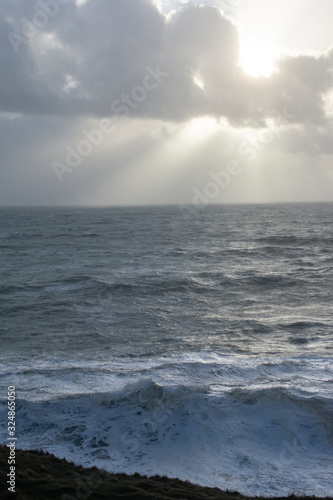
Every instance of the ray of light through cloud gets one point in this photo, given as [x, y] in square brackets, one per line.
[233, 80]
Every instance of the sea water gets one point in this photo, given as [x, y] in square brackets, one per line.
[193, 343]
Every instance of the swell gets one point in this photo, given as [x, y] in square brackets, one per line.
[160, 284]
[130, 286]
[223, 438]
[295, 240]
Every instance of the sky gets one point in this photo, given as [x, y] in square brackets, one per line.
[139, 102]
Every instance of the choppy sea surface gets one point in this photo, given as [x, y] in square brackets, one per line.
[196, 344]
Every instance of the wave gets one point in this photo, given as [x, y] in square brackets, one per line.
[266, 436]
[148, 285]
[12, 289]
[270, 280]
[302, 325]
[154, 284]
[295, 240]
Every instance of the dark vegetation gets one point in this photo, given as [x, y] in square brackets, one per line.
[42, 476]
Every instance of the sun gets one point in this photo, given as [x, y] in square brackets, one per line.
[258, 58]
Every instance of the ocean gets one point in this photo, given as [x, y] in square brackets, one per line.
[194, 343]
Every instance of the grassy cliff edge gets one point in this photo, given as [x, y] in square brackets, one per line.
[41, 476]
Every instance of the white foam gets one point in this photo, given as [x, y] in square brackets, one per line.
[259, 426]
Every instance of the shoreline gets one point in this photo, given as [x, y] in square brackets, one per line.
[40, 476]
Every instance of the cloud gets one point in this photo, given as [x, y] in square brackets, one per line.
[87, 55]
[190, 107]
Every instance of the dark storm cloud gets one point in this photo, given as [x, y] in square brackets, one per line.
[105, 56]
